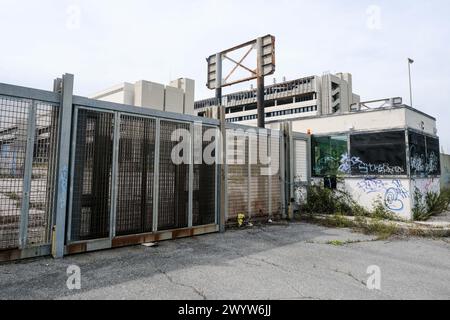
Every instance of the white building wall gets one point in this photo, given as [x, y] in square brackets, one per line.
[174, 100]
[188, 87]
[149, 95]
[445, 171]
[393, 193]
[178, 97]
[122, 93]
[360, 121]
[420, 122]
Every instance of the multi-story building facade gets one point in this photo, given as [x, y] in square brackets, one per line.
[305, 97]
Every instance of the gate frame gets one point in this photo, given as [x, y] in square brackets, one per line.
[24, 251]
[290, 166]
[74, 247]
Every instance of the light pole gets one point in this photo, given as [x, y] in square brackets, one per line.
[410, 62]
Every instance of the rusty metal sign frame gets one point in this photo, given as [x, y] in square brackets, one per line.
[265, 47]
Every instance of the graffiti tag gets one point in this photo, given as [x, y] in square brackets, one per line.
[348, 163]
[394, 193]
[371, 185]
[394, 196]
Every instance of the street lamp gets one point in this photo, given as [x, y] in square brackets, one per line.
[410, 62]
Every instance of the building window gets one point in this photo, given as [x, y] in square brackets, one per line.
[377, 154]
[424, 159]
[327, 155]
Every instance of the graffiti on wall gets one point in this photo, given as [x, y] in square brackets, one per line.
[420, 165]
[417, 163]
[371, 185]
[433, 163]
[300, 191]
[394, 194]
[348, 163]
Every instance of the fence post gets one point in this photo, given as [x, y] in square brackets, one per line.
[249, 174]
[191, 175]
[65, 126]
[28, 172]
[156, 175]
[223, 171]
[115, 176]
[269, 148]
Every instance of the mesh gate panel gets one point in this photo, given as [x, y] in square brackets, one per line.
[43, 180]
[259, 183]
[238, 157]
[13, 145]
[136, 170]
[204, 202]
[14, 122]
[173, 182]
[92, 175]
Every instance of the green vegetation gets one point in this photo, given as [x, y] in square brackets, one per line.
[338, 202]
[325, 201]
[432, 204]
[336, 243]
[381, 229]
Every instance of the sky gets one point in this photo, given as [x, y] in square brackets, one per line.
[106, 42]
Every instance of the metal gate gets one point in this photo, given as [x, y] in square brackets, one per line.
[125, 187]
[28, 149]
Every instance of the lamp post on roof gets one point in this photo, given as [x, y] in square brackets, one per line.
[410, 62]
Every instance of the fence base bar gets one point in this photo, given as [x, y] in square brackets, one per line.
[125, 241]
[16, 254]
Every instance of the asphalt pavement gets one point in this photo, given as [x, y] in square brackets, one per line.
[287, 261]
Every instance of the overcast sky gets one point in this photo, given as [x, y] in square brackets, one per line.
[105, 42]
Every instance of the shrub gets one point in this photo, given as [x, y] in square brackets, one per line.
[325, 201]
[431, 205]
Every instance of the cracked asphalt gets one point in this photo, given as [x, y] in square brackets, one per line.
[289, 261]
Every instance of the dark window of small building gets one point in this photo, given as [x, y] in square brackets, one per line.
[327, 153]
[377, 154]
[433, 164]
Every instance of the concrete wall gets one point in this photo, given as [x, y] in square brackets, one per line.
[174, 100]
[122, 93]
[418, 121]
[359, 121]
[377, 119]
[395, 194]
[149, 95]
[445, 171]
[178, 97]
[188, 87]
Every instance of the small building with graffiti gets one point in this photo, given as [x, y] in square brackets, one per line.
[380, 151]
